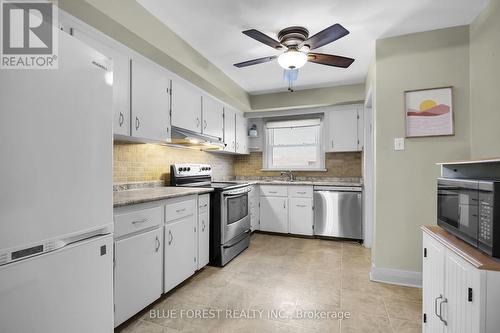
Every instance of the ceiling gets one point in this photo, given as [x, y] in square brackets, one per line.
[214, 28]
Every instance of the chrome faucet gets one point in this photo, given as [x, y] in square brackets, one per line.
[291, 176]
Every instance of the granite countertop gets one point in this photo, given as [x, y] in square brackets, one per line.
[297, 182]
[140, 195]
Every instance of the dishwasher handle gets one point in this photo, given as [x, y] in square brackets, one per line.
[338, 188]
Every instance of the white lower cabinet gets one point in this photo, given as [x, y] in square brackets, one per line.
[274, 214]
[137, 273]
[286, 209]
[203, 231]
[301, 216]
[457, 296]
[179, 251]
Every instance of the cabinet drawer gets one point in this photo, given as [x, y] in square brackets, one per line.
[203, 203]
[132, 219]
[300, 191]
[179, 208]
[273, 191]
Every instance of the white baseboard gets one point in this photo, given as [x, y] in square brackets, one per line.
[396, 276]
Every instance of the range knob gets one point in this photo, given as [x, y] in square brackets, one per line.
[188, 169]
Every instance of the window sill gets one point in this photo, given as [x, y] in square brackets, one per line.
[294, 170]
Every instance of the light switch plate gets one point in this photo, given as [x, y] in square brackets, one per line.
[399, 143]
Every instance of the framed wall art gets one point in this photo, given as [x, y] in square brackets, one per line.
[429, 112]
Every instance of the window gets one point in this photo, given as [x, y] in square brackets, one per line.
[294, 145]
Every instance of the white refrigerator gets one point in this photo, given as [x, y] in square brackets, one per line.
[56, 223]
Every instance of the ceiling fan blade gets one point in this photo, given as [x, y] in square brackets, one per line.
[263, 38]
[254, 61]
[326, 36]
[330, 60]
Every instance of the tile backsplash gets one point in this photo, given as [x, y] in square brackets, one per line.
[133, 162]
[337, 164]
[143, 162]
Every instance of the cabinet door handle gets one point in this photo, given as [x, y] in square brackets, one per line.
[332, 143]
[284, 204]
[171, 237]
[137, 123]
[445, 300]
[157, 244]
[205, 124]
[273, 192]
[121, 119]
[202, 225]
[197, 122]
[435, 306]
[140, 221]
[301, 192]
[233, 144]
[302, 206]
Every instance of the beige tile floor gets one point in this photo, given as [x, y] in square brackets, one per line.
[289, 276]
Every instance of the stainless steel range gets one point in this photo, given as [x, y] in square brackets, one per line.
[229, 216]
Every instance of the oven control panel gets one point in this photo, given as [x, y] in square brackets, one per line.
[185, 170]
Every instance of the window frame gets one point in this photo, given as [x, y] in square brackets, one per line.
[267, 149]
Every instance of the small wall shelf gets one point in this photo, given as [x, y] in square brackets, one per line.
[484, 168]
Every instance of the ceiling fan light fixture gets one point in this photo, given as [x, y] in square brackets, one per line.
[292, 59]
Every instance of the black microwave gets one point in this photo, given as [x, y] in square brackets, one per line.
[470, 209]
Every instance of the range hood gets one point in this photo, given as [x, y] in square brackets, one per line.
[190, 139]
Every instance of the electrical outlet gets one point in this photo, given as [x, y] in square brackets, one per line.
[399, 143]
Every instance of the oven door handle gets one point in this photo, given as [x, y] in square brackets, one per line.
[234, 195]
[230, 246]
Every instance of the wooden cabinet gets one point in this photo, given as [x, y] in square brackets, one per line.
[212, 117]
[186, 107]
[203, 231]
[301, 216]
[457, 295]
[229, 129]
[274, 214]
[137, 273]
[241, 135]
[150, 90]
[120, 79]
[342, 130]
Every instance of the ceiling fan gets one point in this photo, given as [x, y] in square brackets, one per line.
[297, 44]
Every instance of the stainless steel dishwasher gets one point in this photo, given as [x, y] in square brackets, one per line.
[338, 212]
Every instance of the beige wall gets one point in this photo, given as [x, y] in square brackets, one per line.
[138, 162]
[129, 23]
[405, 181]
[337, 165]
[308, 98]
[485, 82]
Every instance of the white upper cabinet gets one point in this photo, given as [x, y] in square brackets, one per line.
[241, 135]
[229, 129]
[186, 107]
[342, 130]
[150, 90]
[213, 117]
[121, 81]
